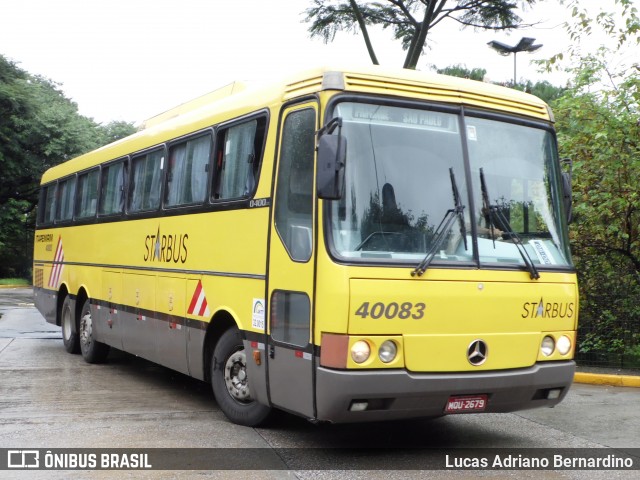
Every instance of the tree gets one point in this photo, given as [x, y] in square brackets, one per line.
[463, 72]
[598, 123]
[116, 130]
[544, 90]
[39, 128]
[410, 20]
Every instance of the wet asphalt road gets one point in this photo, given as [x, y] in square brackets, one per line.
[50, 399]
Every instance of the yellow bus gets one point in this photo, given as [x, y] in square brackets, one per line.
[346, 245]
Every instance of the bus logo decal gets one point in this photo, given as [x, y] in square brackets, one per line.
[477, 352]
[56, 269]
[171, 248]
[544, 309]
[198, 305]
[257, 317]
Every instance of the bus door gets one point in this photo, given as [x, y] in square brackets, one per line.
[291, 264]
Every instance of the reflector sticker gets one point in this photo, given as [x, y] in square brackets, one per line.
[303, 355]
[198, 305]
[56, 269]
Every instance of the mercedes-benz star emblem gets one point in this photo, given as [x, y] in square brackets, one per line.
[477, 353]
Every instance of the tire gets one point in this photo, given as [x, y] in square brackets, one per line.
[92, 350]
[70, 337]
[230, 383]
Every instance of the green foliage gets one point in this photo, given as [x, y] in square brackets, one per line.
[598, 122]
[16, 238]
[410, 20]
[463, 72]
[39, 128]
[543, 90]
[14, 282]
[115, 130]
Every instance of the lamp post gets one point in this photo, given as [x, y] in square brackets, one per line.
[524, 45]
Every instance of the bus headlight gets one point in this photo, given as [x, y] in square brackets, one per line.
[564, 345]
[547, 346]
[360, 351]
[387, 351]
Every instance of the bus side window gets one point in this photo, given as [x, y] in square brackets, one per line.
[48, 204]
[294, 192]
[146, 181]
[290, 317]
[187, 172]
[64, 201]
[87, 194]
[112, 189]
[237, 161]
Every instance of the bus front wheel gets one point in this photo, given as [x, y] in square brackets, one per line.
[230, 383]
[70, 338]
[92, 350]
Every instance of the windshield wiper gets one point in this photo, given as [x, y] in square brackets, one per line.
[441, 232]
[493, 213]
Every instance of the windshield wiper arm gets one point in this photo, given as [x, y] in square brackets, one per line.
[459, 208]
[494, 212]
[441, 232]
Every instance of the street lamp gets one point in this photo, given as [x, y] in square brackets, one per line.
[524, 45]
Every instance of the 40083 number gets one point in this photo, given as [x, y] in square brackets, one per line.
[391, 310]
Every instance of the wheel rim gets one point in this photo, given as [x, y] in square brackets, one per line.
[235, 377]
[66, 324]
[86, 330]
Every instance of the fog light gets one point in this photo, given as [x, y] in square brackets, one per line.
[358, 406]
[388, 351]
[547, 346]
[564, 345]
[360, 351]
[554, 393]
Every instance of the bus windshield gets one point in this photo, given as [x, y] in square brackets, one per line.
[404, 166]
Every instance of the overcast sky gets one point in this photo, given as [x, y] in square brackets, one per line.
[132, 59]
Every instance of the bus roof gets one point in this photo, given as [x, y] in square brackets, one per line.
[238, 98]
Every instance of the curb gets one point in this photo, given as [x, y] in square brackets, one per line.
[601, 379]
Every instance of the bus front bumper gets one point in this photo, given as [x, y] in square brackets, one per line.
[359, 396]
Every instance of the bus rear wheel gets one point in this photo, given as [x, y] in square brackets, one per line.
[230, 383]
[70, 338]
[92, 350]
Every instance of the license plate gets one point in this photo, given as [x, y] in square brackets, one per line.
[467, 403]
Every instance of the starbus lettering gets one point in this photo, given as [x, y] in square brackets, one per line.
[542, 309]
[166, 248]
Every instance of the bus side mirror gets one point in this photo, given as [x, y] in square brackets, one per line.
[566, 190]
[332, 157]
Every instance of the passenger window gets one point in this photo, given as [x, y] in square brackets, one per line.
[64, 204]
[290, 317]
[146, 181]
[294, 192]
[87, 194]
[49, 197]
[112, 189]
[238, 158]
[187, 174]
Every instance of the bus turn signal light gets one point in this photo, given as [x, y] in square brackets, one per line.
[257, 357]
